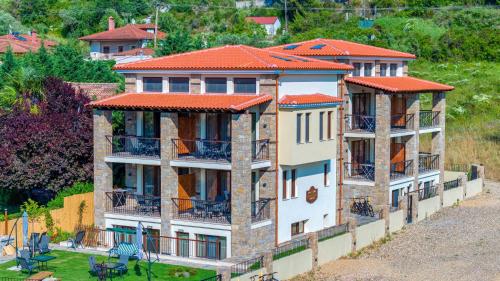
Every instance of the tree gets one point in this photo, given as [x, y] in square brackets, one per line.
[9, 24]
[179, 41]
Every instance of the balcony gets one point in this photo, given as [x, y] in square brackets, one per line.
[402, 122]
[122, 202]
[133, 147]
[202, 210]
[360, 123]
[401, 169]
[357, 171]
[428, 162]
[261, 209]
[260, 150]
[429, 119]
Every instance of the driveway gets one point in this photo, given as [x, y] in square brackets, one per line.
[458, 243]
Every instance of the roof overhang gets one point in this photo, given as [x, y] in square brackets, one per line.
[309, 101]
[404, 84]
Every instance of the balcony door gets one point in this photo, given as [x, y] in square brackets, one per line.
[360, 104]
[151, 180]
[398, 156]
[359, 153]
[151, 124]
[398, 111]
[187, 132]
[186, 189]
[218, 126]
[218, 184]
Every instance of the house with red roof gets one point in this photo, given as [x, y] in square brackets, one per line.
[124, 44]
[23, 43]
[271, 24]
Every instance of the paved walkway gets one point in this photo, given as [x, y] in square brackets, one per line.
[458, 243]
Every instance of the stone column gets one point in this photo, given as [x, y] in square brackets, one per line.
[414, 206]
[130, 83]
[225, 272]
[438, 138]
[352, 225]
[385, 215]
[241, 180]
[268, 261]
[412, 145]
[377, 68]
[313, 244]
[405, 68]
[103, 172]
[382, 149]
[169, 179]
[195, 84]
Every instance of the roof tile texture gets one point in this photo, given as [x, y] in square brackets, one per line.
[399, 84]
[308, 99]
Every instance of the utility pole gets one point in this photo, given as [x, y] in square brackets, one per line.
[286, 17]
[156, 24]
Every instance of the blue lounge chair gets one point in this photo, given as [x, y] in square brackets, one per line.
[27, 265]
[124, 267]
[78, 240]
[43, 246]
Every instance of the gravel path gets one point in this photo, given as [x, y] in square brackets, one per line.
[458, 243]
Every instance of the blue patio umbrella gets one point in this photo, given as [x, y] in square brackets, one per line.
[25, 228]
[138, 239]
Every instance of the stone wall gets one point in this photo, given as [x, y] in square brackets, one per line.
[130, 83]
[382, 150]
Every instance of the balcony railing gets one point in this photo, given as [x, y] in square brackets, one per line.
[428, 162]
[199, 149]
[260, 150]
[133, 147]
[261, 209]
[401, 169]
[202, 210]
[359, 171]
[355, 122]
[402, 121]
[132, 204]
[426, 192]
[429, 118]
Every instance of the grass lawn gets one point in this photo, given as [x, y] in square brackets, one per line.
[74, 266]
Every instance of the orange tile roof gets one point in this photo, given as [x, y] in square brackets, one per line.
[403, 84]
[308, 99]
[331, 47]
[23, 43]
[137, 52]
[128, 32]
[96, 91]
[175, 101]
[263, 20]
[232, 57]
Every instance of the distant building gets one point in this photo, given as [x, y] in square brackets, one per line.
[96, 91]
[120, 43]
[271, 24]
[251, 3]
[23, 43]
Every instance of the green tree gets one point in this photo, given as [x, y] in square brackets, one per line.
[178, 41]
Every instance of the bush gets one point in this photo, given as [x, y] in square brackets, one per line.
[77, 188]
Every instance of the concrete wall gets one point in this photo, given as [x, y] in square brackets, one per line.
[293, 265]
[308, 84]
[428, 207]
[396, 220]
[473, 187]
[369, 233]
[453, 195]
[334, 248]
[247, 276]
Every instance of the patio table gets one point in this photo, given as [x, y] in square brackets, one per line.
[43, 260]
[111, 267]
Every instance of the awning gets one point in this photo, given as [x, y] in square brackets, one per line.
[174, 101]
[121, 230]
[405, 84]
[309, 100]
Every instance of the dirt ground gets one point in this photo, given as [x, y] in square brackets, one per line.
[458, 243]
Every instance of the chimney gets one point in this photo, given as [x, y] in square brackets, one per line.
[111, 23]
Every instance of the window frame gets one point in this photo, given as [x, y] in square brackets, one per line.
[329, 125]
[298, 129]
[395, 69]
[321, 125]
[170, 83]
[356, 72]
[326, 174]
[243, 79]
[293, 185]
[284, 177]
[215, 78]
[144, 89]
[385, 69]
[307, 127]
[297, 228]
[365, 69]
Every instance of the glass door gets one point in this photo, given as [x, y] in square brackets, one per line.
[182, 244]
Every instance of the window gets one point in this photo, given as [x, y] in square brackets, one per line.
[383, 69]
[357, 69]
[321, 116]
[285, 176]
[245, 85]
[120, 49]
[105, 49]
[216, 85]
[308, 118]
[395, 198]
[294, 186]
[178, 84]
[326, 173]
[152, 84]
[329, 125]
[368, 69]
[132, 47]
[298, 228]
[394, 69]
[299, 129]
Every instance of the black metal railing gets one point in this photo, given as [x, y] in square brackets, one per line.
[202, 210]
[191, 248]
[333, 231]
[401, 169]
[359, 171]
[428, 162]
[260, 150]
[200, 149]
[247, 266]
[217, 277]
[261, 209]
[356, 122]
[429, 118]
[427, 192]
[132, 204]
[290, 248]
[133, 147]
[452, 184]
[402, 121]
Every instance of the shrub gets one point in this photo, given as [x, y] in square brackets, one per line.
[77, 188]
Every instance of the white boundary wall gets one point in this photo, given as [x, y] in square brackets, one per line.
[246, 276]
[334, 248]
[451, 196]
[428, 207]
[290, 266]
[473, 187]
[396, 220]
[369, 233]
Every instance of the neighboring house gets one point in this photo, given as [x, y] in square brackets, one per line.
[96, 91]
[23, 43]
[226, 152]
[115, 43]
[383, 121]
[271, 24]
[250, 4]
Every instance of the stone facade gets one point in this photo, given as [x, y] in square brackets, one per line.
[195, 84]
[438, 138]
[130, 83]
[412, 145]
[382, 150]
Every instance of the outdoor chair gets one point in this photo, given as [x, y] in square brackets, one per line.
[27, 265]
[92, 266]
[43, 247]
[78, 240]
[124, 267]
[25, 254]
[125, 248]
[102, 271]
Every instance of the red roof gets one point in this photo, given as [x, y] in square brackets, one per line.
[331, 47]
[232, 57]
[97, 91]
[137, 52]
[128, 32]
[308, 99]
[23, 43]
[174, 101]
[263, 20]
[403, 84]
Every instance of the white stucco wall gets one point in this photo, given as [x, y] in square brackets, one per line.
[396, 220]
[369, 233]
[247, 276]
[298, 209]
[334, 248]
[308, 84]
[451, 196]
[428, 207]
[473, 188]
[293, 265]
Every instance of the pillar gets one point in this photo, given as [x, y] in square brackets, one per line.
[438, 138]
[103, 171]
[195, 84]
[169, 179]
[130, 83]
[382, 149]
[313, 244]
[352, 224]
[412, 144]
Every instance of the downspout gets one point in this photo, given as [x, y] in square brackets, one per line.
[341, 148]
[276, 169]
